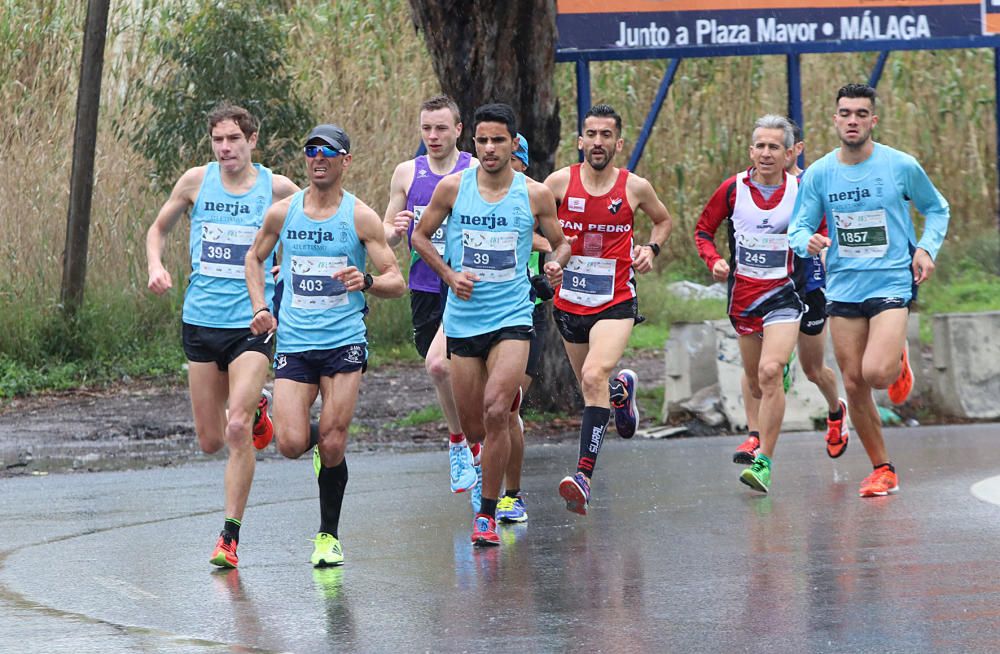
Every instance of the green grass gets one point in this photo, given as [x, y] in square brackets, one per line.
[423, 416]
[650, 403]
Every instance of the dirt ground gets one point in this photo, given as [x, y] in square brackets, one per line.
[143, 424]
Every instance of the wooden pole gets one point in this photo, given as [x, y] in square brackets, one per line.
[81, 184]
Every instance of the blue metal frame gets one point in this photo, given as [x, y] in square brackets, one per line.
[792, 52]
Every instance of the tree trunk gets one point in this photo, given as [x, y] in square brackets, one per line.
[486, 51]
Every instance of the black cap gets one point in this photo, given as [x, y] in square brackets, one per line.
[330, 135]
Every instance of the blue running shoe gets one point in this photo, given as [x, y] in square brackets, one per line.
[624, 401]
[512, 509]
[463, 476]
[576, 491]
[476, 496]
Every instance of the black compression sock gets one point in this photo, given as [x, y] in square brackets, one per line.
[592, 429]
[512, 492]
[837, 415]
[488, 507]
[231, 528]
[332, 482]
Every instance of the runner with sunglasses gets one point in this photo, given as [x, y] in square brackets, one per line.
[326, 235]
[226, 200]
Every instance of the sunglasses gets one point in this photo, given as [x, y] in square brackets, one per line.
[329, 152]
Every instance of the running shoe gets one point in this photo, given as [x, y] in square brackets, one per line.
[747, 451]
[900, 389]
[786, 373]
[757, 476]
[327, 552]
[476, 496]
[263, 429]
[624, 401]
[837, 433]
[576, 491]
[317, 461]
[881, 482]
[512, 509]
[224, 555]
[463, 474]
[484, 531]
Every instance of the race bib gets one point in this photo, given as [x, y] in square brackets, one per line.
[313, 286]
[223, 249]
[491, 255]
[588, 281]
[862, 234]
[438, 237]
[762, 256]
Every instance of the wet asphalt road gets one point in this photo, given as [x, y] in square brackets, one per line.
[676, 556]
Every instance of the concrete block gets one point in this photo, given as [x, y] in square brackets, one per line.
[967, 364]
[687, 354]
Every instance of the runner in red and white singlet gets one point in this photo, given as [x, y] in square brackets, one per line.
[596, 305]
[764, 306]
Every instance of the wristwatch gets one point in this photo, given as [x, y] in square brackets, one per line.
[369, 280]
[655, 248]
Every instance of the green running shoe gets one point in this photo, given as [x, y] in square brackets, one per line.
[786, 373]
[328, 551]
[317, 462]
[757, 476]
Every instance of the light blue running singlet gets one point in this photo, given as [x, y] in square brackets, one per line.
[223, 226]
[317, 312]
[493, 240]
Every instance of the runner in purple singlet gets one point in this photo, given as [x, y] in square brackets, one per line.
[413, 183]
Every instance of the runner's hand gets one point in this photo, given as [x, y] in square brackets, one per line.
[159, 281]
[461, 283]
[263, 322]
[352, 278]
[554, 272]
[401, 222]
[720, 271]
[642, 258]
[817, 242]
[923, 266]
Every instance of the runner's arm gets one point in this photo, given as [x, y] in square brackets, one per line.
[929, 202]
[803, 230]
[543, 205]
[182, 198]
[715, 212]
[389, 282]
[397, 219]
[649, 203]
[253, 266]
[435, 213]
[282, 187]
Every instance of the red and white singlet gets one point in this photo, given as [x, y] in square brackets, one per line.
[599, 274]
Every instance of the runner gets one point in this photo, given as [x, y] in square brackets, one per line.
[874, 262]
[512, 507]
[326, 235]
[413, 183]
[226, 363]
[810, 279]
[487, 318]
[764, 308]
[596, 305]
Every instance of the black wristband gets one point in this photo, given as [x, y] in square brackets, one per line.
[655, 248]
[369, 281]
[268, 309]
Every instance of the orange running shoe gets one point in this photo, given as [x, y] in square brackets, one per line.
[880, 483]
[900, 389]
[224, 555]
[263, 429]
[747, 451]
[837, 433]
